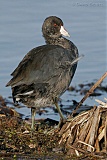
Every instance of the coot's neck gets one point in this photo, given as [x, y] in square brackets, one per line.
[61, 41]
[65, 43]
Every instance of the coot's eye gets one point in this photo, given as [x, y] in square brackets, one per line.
[55, 25]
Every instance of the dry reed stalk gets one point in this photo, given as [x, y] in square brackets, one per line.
[88, 129]
[105, 136]
[94, 128]
[86, 134]
[97, 145]
[89, 92]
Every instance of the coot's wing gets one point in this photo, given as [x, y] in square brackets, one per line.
[39, 65]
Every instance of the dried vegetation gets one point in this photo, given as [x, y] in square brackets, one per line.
[83, 136]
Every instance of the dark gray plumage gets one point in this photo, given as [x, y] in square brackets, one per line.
[46, 71]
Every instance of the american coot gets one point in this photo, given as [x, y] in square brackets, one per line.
[46, 71]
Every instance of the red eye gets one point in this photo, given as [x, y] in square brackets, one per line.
[55, 24]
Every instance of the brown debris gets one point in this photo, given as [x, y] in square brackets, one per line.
[82, 137]
[87, 132]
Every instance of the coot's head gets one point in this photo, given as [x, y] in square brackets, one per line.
[53, 27]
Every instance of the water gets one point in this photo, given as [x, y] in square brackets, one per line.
[20, 31]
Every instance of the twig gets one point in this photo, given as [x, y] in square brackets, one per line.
[93, 154]
[89, 92]
[101, 135]
[87, 145]
[105, 137]
[94, 128]
[102, 104]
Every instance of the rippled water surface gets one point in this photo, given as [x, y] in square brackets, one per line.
[20, 31]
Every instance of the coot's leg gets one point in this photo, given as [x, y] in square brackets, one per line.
[62, 118]
[33, 113]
